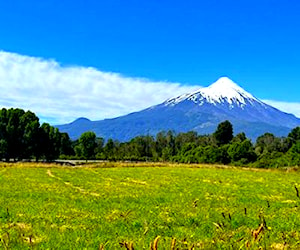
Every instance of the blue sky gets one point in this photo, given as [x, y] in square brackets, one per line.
[166, 47]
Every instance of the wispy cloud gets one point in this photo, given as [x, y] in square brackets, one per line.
[288, 107]
[59, 94]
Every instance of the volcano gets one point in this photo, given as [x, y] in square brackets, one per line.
[200, 111]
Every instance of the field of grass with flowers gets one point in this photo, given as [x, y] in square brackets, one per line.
[148, 206]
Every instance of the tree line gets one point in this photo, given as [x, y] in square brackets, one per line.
[221, 147]
[22, 137]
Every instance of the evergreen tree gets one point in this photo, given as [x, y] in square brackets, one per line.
[50, 139]
[87, 144]
[224, 133]
[294, 135]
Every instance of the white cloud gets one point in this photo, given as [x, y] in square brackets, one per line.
[288, 107]
[60, 94]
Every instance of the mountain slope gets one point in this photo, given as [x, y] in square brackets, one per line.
[227, 97]
[200, 111]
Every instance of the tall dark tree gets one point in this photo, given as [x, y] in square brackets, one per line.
[66, 147]
[31, 125]
[15, 133]
[224, 133]
[295, 134]
[50, 139]
[110, 150]
[3, 149]
[18, 133]
[87, 144]
[3, 134]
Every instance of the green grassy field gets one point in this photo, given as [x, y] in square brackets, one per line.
[107, 207]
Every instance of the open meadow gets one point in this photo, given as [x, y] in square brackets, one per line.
[119, 206]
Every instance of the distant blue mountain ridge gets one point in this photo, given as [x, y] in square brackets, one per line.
[200, 111]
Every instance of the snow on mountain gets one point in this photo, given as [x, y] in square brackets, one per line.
[200, 111]
[224, 98]
[224, 90]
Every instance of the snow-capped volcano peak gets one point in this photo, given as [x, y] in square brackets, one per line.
[223, 91]
[225, 86]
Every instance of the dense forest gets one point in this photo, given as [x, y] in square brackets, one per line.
[22, 137]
